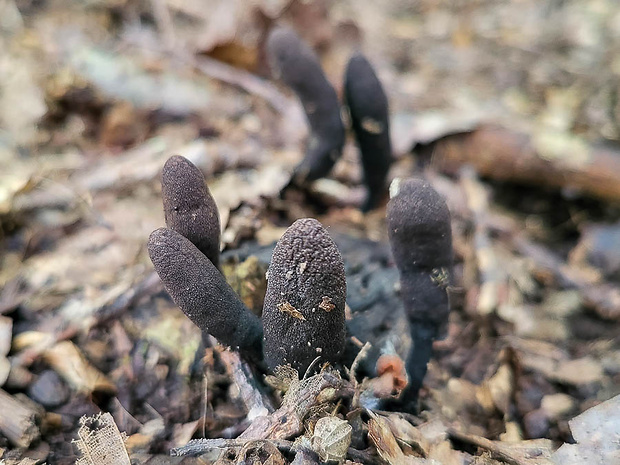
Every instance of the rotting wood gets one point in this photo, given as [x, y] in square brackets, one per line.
[17, 420]
[506, 155]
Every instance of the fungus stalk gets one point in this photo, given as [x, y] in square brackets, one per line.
[368, 106]
[186, 255]
[294, 62]
[421, 239]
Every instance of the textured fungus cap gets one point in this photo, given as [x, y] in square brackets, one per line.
[419, 226]
[203, 294]
[189, 208]
[421, 239]
[303, 315]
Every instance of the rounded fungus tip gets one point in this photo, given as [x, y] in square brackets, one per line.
[189, 208]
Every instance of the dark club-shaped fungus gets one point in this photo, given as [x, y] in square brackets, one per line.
[200, 290]
[294, 62]
[303, 314]
[189, 208]
[368, 106]
[421, 239]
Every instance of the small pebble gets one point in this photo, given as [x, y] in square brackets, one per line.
[536, 424]
[49, 390]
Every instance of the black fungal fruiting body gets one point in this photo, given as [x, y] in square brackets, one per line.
[200, 290]
[368, 106]
[294, 62]
[189, 208]
[421, 240]
[303, 314]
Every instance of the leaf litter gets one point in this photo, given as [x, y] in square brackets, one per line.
[531, 361]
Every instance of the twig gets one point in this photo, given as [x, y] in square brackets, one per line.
[603, 297]
[489, 271]
[507, 155]
[361, 355]
[287, 421]
[503, 452]
[198, 447]
[255, 400]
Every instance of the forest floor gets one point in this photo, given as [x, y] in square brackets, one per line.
[510, 109]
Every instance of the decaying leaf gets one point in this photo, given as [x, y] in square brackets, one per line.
[326, 304]
[100, 442]
[286, 307]
[331, 438]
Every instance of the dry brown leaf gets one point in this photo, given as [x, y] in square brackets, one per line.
[578, 372]
[409, 434]
[596, 431]
[69, 362]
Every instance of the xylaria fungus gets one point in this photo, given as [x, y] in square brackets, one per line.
[200, 290]
[368, 106]
[294, 62]
[303, 315]
[421, 240]
[189, 208]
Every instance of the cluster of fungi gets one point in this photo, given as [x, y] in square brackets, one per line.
[303, 318]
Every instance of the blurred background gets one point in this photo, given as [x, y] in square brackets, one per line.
[510, 108]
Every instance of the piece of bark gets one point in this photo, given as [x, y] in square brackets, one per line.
[17, 420]
[100, 441]
[251, 391]
[71, 364]
[507, 155]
